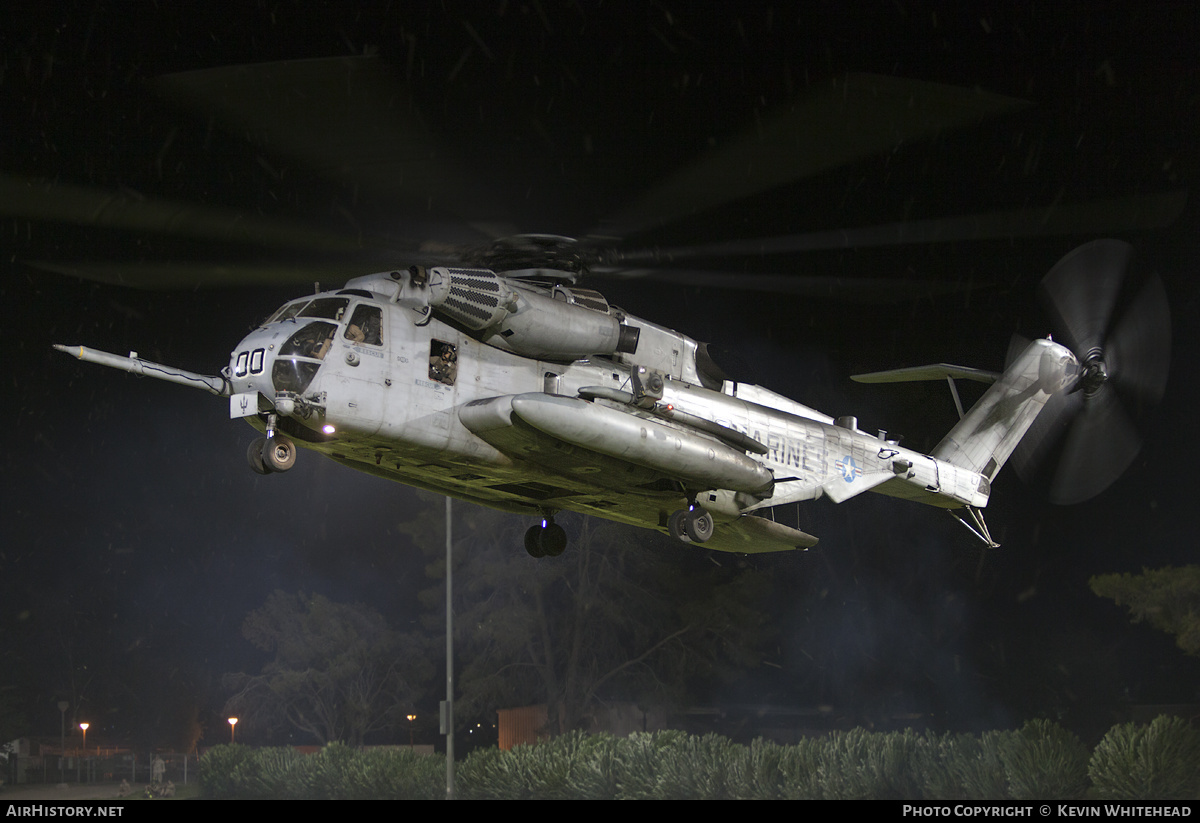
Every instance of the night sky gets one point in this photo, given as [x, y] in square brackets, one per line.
[135, 538]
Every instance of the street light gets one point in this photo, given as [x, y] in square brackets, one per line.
[84, 726]
[232, 728]
[411, 718]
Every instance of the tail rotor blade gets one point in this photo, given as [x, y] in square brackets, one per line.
[1115, 317]
[1139, 348]
[1081, 292]
[1045, 434]
[1101, 443]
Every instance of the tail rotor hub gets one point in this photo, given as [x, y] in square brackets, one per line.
[1094, 373]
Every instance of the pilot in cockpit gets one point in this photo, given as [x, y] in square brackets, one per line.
[365, 327]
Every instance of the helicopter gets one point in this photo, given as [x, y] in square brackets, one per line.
[490, 375]
[532, 396]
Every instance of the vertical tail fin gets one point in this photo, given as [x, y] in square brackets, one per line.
[986, 436]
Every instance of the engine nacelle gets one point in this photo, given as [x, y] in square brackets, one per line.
[544, 327]
[519, 317]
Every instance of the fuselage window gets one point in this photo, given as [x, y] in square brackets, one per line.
[256, 361]
[443, 362]
[366, 326]
[239, 366]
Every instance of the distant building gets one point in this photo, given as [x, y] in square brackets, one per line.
[529, 724]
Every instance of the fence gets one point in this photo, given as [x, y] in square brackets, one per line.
[111, 766]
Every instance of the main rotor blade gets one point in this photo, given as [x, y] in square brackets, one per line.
[1141, 212]
[29, 198]
[198, 275]
[848, 289]
[853, 117]
[344, 118]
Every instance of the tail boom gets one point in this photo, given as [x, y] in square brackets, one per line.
[987, 435]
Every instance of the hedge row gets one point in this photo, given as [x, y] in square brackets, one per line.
[1039, 761]
[337, 772]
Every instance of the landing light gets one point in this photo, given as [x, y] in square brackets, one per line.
[328, 429]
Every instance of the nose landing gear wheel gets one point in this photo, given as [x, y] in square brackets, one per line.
[254, 456]
[279, 454]
[546, 539]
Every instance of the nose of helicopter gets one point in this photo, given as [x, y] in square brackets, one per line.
[251, 363]
[282, 360]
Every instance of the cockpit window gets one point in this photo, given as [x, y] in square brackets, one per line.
[286, 312]
[293, 375]
[366, 326]
[331, 308]
[312, 341]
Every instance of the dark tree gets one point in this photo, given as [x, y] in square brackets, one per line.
[1169, 599]
[621, 615]
[19, 684]
[339, 672]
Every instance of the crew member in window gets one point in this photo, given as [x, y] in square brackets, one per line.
[443, 366]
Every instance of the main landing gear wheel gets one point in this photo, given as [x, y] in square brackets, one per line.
[547, 539]
[279, 454]
[693, 525]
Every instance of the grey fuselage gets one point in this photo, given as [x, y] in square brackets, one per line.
[511, 431]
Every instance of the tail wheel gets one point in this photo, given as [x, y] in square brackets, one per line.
[279, 454]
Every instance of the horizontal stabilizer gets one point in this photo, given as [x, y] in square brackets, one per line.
[936, 371]
[850, 482]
